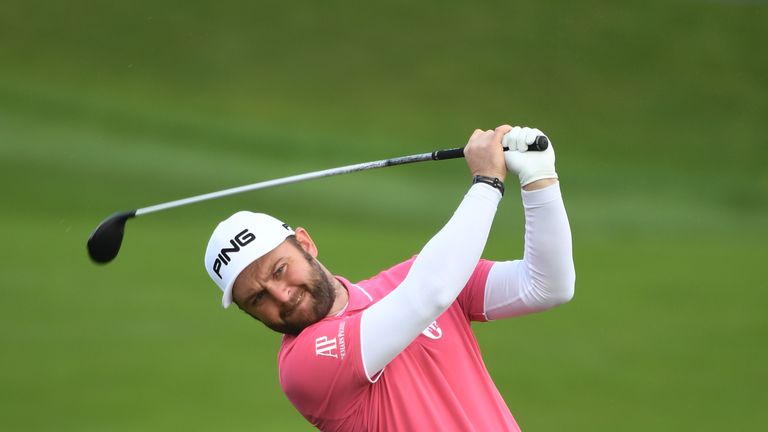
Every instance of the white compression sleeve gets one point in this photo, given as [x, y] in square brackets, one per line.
[436, 278]
[545, 277]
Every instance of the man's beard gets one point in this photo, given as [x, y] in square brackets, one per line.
[321, 295]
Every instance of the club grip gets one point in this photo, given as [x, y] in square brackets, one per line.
[539, 144]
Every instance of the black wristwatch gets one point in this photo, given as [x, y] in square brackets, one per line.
[493, 181]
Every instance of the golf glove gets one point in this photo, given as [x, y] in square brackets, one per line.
[528, 165]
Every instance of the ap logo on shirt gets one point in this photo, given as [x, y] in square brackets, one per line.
[332, 347]
[326, 347]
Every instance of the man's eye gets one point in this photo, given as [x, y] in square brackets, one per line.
[280, 270]
[259, 296]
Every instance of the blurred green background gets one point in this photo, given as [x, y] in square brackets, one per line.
[657, 110]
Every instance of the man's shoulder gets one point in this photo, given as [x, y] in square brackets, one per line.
[323, 357]
[386, 280]
[321, 369]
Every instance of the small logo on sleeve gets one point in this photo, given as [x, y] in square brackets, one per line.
[326, 347]
[433, 331]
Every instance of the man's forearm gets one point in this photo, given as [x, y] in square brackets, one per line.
[545, 277]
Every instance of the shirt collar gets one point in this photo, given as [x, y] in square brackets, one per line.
[358, 298]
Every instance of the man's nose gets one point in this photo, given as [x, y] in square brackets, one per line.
[281, 292]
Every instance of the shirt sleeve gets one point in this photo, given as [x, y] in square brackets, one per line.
[441, 270]
[546, 276]
[321, 370]
[472, 297]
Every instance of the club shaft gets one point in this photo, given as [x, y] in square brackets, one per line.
[540, 145]
[291, 179]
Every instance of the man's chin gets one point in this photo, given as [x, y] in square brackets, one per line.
[286, 328]
[296, 324]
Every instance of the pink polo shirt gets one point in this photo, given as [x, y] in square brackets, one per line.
[438, 383]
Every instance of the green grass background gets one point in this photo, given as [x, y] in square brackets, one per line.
[657, 110]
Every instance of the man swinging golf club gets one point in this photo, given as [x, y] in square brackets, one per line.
[396, 352]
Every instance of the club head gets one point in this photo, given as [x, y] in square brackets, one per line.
[104, 242]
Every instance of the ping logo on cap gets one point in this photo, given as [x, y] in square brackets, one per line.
[241, 239]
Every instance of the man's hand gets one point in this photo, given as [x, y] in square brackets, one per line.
[530, 166]
[484, 153]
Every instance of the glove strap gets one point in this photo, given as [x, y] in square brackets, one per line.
[493, 181]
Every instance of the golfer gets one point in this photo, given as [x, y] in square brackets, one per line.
[396, 352]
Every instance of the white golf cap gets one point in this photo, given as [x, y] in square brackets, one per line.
[238, 241]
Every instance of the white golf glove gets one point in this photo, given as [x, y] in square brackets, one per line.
[528, 165]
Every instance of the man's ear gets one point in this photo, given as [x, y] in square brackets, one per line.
[302, 236]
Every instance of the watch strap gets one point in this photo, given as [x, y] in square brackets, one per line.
[493, 181]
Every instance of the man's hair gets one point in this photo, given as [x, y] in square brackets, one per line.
[292, 239]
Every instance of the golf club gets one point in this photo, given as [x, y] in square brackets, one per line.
[104, 242]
